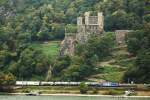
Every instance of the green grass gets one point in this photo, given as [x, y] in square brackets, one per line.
[109, 69]
[50, 48]
[49, 89]
[68, 90]
[110, 73]
[113, 67]
[125, 63]
[2, 2]
[114, 76]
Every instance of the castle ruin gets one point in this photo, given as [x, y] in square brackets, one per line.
[86, 27]
[68, 45]
[120, 36]
[89, 25]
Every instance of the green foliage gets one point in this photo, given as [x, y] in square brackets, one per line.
[125, 63]
[83, 88]
[138, 40]
[39, 17]
[6, 79]
[95, 90]
[134, 41]
[3, 2]
[114, 92]
[60, 64]
[96, 47]
[110, 73]
[5, 58]
[72, 69]
[139, 45]
[51, 49]
[83, 64]
[71, 28]
[16, 56]
[141, 72]
[31, 62]
[23, 22]
[78, 72]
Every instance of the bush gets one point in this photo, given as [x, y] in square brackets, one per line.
[26, 90]
[95, 91]
[83, 88]
[114, 92]
[7, 89]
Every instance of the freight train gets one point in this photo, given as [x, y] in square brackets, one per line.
[97, 84]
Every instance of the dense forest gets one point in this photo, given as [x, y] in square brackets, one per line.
[23, 22]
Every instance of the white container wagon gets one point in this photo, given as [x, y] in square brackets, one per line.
[28, 83]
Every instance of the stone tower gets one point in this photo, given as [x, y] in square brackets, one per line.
[86, 27]
[89, 25]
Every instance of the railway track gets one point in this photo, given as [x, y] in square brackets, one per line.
[96, 84]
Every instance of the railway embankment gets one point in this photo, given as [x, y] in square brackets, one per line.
[92, 90]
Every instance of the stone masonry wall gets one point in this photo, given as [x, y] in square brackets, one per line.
[120, 36]
[86, 26]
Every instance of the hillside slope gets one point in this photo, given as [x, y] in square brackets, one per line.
[113, 68]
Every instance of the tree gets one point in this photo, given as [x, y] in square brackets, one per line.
[83, 88]
[137, 40]
[60, 64]
[98, 46]
[71, 73]
[32, 62]
[70, 28]
[133, 44]
[141, 72]
[5, 59]
[139, 44]
[6, 79]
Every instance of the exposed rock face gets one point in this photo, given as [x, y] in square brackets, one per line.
[86, 26]
[120, 36]
[68, 45]
[7, 10]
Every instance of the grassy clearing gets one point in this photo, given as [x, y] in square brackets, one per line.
[125, 63]
[2, 2]
[114, 76]
[114, 67]
[110, 69]
[50, 48]
[109, 73]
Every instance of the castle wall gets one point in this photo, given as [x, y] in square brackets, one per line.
[93, 26]
[120, 36]
[101, 22]
[86, 27]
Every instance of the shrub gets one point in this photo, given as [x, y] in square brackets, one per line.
[114, 92]
[83, 88]
[26, 90]
[95, 91]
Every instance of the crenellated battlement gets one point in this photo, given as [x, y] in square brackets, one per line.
[89, 25]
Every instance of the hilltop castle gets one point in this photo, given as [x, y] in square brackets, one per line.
[89, 25]
[86, 26]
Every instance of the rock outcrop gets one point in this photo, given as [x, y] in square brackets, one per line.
[68, 45]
